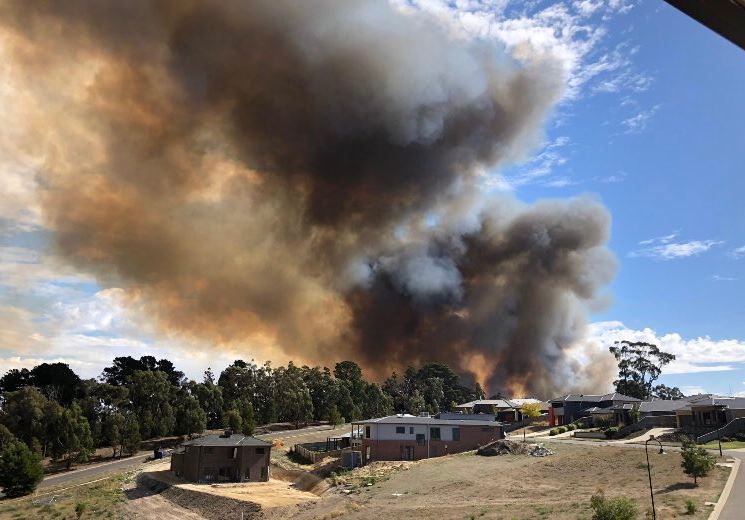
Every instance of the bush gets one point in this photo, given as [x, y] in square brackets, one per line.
[690, 507]
[610, 432]
[553, 431]
[20, 469]
[620, 508]
[561, 429]
[740, 436]
[696, 460]
[571, 427]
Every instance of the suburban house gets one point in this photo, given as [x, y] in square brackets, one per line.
[408, 437]
[503, 409]
[223, 458]
[568, 408]
[709, 411]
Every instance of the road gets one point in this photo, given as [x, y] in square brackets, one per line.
[97, 471]
[735, 504]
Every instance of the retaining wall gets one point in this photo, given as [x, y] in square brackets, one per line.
[731, 428]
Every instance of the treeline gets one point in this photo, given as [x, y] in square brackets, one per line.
[54, 413]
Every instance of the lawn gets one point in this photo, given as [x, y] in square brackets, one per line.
[731, 445]
[101, 499]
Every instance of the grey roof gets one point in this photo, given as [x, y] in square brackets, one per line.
[466, 416]
[398, 419]
[662, 405]
[733, 403]
[233, 440]
[596, 398]
[501, 403]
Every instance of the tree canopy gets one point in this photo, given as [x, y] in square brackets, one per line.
[639, 366]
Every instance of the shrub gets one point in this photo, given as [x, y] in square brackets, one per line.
[620, 508]
[571, 427]
[696, 460]
[20, 469]
[610, 432]
[80, 509]
[740, 436]
[553, 431]
[561, 429]
[690, 507]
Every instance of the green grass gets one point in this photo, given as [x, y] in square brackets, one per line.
[714, 445]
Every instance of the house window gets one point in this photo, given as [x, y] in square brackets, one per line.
[456, 434]
[367, 432]
[235, 453]
[420, 439]
[434, 433]
[400, 429]
[411, 429]
[260, 451]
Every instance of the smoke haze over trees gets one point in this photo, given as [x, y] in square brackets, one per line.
[119, 411]
[305, 183]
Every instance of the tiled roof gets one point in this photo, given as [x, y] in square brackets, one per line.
[596, 398]
[398, 419]
[233, 440]
[500, 403]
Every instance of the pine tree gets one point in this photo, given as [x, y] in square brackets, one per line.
[335, 418]
[131, 437]
[20, 468]
[246, 410]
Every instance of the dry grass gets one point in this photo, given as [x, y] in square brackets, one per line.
[523, 487]
[103, 499]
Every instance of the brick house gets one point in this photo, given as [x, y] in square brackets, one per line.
[406, 437]
[223, 458]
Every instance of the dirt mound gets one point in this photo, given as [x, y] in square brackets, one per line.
[502, 447]
[506, 447]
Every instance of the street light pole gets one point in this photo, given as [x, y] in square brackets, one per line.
[649, 471]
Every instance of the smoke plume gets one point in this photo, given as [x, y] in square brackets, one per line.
[299, 178]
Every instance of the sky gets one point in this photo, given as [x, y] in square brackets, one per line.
[649, 125]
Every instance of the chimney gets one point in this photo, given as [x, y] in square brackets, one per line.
[423, 414]
[227, 433]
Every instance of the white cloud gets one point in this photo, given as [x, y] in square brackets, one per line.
[702, 354]
[640, 121]
[539, 169]
[664, 248]
[720, 278]
[738, 252]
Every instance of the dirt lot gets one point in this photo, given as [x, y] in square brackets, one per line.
[522, 487]
[457, 486]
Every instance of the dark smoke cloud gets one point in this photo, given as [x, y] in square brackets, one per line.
[298, 177]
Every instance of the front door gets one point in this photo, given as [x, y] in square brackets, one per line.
[407, 453]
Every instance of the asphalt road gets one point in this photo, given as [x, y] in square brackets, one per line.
[734, 508]
[94, 471]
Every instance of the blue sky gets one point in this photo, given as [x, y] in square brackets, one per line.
[679, 176]
[650, 124]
